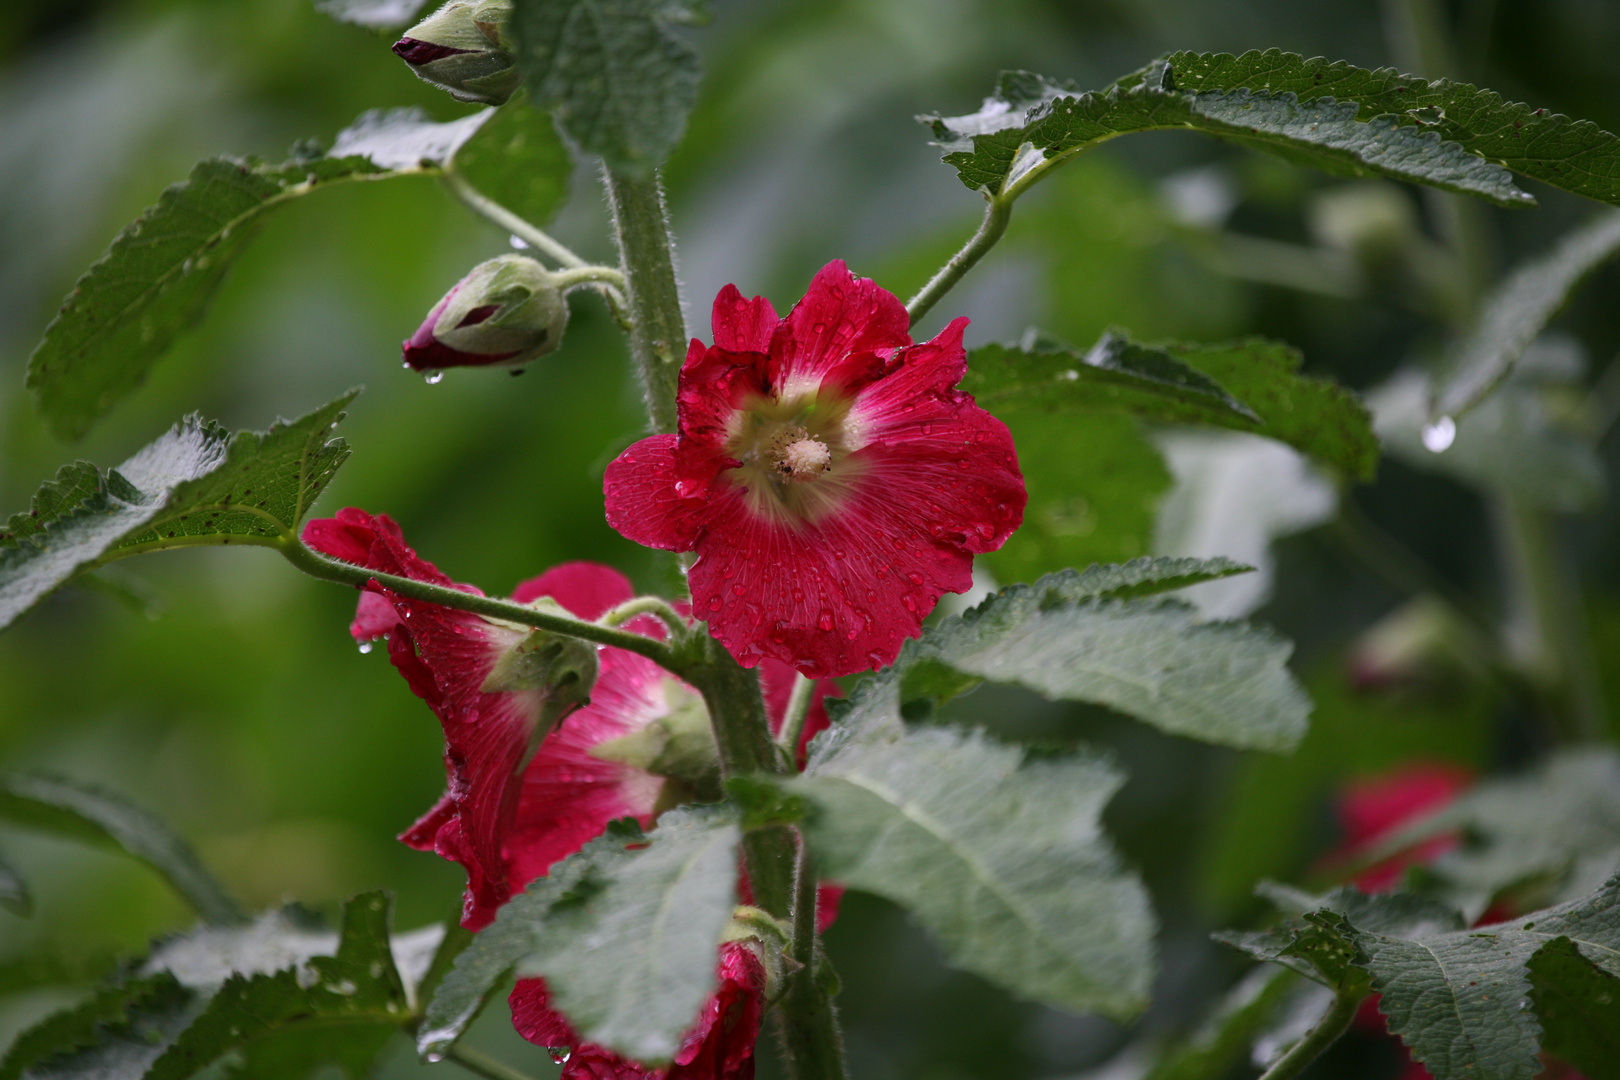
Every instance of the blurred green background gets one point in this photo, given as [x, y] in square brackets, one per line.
[243, 713]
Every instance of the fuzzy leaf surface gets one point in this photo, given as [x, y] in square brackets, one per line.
[332, 1010]
[195, 485]
[1578, 1004]
[1575, 155]
[94, 1021]
[1056, 121]
[1249, 385]
[1519, 309]
[14, 894]
[155, 280]
[120, 1045]
[1155, 660]
[86, 813]
[618, 81]
[1000, 857]
[625, 937]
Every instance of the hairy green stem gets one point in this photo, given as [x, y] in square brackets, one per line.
[1334, 1022]
[481, 1064]
[996, 215]
[798, 708]
[587, 275]
[318, 565]
[657, 327]
[647, 605]
[809, 1022]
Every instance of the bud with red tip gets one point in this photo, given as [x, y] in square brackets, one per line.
[504, 314]
[463, 48]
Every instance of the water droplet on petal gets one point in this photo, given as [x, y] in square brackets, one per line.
[365, 647]
[915, 578]
[559, 1054]
[1438, 436]
[825, 621]
[432, 378]
[714, 603]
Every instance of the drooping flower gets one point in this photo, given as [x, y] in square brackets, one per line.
[504, 313]
[719, 1045]
[642, 743]
[831, 478]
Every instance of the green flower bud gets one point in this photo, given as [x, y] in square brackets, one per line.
[505, 313]
[463, 48]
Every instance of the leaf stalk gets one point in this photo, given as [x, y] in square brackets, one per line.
[1334, 1023]
[997, 213]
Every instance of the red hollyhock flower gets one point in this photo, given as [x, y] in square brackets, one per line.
[504, 821]
[1373, 808]
[831, 478]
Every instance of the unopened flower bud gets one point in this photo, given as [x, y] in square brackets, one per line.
[505, 313]
[463, 48]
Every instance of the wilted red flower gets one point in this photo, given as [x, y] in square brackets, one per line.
[831, 478]
[505, 822]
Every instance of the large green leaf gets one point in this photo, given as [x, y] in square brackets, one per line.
[999, 856]
[619, 82]
[1575, 155]
[88, 813]
[195, 485]
[90, 1024]
[1156, 660]
[1031, 124]
[1519, 309]
[1578, 1004]
[156, 278]
[1249, 385]
[1459, 999]
[625, 937]
[335, 1010]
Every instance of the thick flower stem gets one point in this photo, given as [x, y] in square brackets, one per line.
[1334, 1022]
[317, 565]
[996, 215]
[657, 327]
[811, 1041]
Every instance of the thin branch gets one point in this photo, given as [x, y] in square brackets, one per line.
[996, 215]
[481, 1064]
[588, 275]
[318, 565]
[1334, 1022]
[647, 605]
[798, 707]
[494, 212]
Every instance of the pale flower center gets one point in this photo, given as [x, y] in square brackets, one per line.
[799, 457]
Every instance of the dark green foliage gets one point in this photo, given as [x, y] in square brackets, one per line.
[110, 1012]
[87, 813]
[1575, 155]
[1579, 1007]
[618, 81]
[1057, 121]
[195, 485]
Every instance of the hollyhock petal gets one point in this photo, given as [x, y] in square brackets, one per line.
[374, 618]
[588, 590]
[840, 316]
[647, 502]
[742, 325]
[1371, 809]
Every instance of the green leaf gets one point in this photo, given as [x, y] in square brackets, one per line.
[1000, 857]
[1575, 155]
[618, 81]
[1557, 829]
[14, 894]
[1227, 1036]
[1460, 999]
[155, 280]
[87, 813]
[332, 1010]
[1510, 443]
[89, 1024]
[1031, 124]
[1094, 491]
[195, 485]
[122, 1045]
[1249, 385]
[1578, 1004]
[1156, 660]
[1519, 309]
[1116, 374]
[625, 937]
[372, 14]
